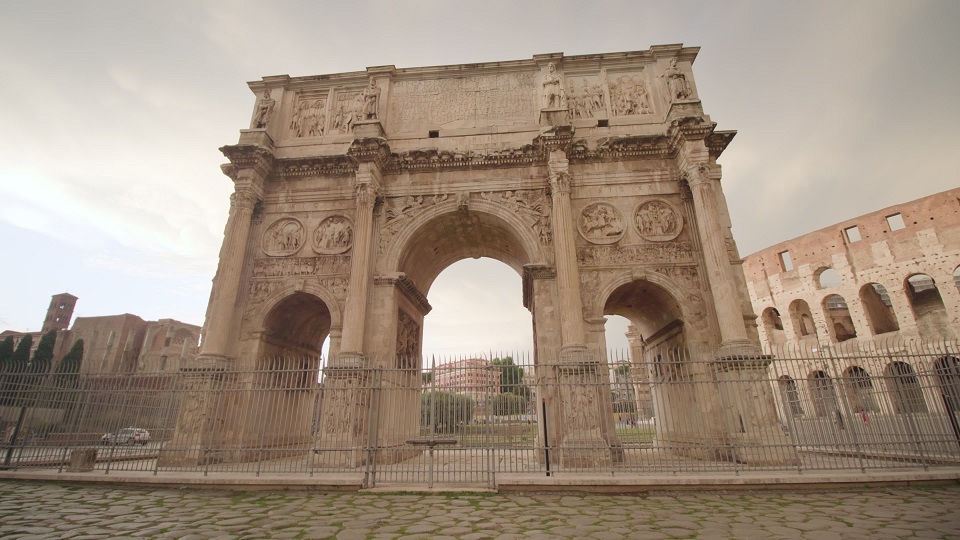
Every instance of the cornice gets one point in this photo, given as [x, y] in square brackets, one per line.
[406, 286]
[434, 159]
[613, 148]
[340, 165]
[247, 156]
[533, 272]
[718, 141]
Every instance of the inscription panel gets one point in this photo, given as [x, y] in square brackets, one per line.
[463, 102]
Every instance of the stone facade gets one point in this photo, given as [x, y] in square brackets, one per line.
[594, 177]
[117, 343]
[884, 277]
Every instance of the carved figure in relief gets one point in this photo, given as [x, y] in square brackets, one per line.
[408, 339]
[284, 237]
[309, 119]
[656, 220]
[676, 82]
[347, 111]
[371, 99]
[334, 235]
[630, 96]
[581, 406]
[601, 223]
[264, 109]
[553, 97]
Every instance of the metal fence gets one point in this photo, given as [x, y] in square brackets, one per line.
[472, 420]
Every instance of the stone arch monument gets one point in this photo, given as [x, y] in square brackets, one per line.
[594, 177]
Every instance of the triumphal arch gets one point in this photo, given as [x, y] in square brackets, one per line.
[595, 177]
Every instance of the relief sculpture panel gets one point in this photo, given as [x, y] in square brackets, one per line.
[284, 237]
[601, 223]
[629, 95]
[657, 220]
[333, 236]
[585, 98]
[309, 118]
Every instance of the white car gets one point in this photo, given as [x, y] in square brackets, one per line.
[130, 435]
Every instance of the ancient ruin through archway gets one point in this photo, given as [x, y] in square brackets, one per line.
[594, 177]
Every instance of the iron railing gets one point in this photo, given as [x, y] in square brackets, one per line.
[470, 420]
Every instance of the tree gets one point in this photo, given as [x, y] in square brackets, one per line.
[21, 357]
[6, 351]
[426, 377]
[43, 356]
[509, 404]
[511, 377]
[445, 410]
[66, 379]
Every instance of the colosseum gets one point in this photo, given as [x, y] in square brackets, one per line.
[889, 276]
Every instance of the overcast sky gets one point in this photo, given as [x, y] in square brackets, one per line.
[111, 114]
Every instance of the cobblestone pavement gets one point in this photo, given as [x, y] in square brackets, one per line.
[47, 510]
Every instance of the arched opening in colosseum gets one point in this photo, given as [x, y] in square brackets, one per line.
[904, 388]
[789, 396]
[878, 308]
[773, 325]
[839, 323]
[858, 386]
[947, 369]
[927, 306]
[823, 394]
[827, 278]
[802, 319]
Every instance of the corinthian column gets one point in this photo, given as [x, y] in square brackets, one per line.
[355, 311]
[733, 332]
[226, 284]
[568, 275]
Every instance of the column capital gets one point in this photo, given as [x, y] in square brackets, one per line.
[699, 174]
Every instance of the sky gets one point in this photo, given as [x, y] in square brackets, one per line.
[111, 114]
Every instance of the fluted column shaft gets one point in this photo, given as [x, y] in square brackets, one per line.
[733, 331]
[227, 282]
[355, 311]
[568, 275]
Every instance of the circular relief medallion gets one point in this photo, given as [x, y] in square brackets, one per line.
[601, 223]
[283, 238]
[657, 220]
[334, 235]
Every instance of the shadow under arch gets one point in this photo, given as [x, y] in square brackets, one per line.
[444, 234]
[295, 320]
[651, 302]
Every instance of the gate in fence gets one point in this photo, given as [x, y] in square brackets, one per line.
[474, 420]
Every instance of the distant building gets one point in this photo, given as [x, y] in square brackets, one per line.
[475, 377]
[892, 274]
[117, 343]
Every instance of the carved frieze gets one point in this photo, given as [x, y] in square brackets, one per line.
[333, 236]
[670, 252]
[431, 158]
[586, 99]
[462, 101]
[346, 110]
[302, 266]
[601, 223]
[657, 220]
[309, 118]
[284, 237]
[531, 205]
[629, 96]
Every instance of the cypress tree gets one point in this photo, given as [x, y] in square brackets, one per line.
[43, 356]
[66, 380]
[21, 357]
[6, 351]
[70, 364]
